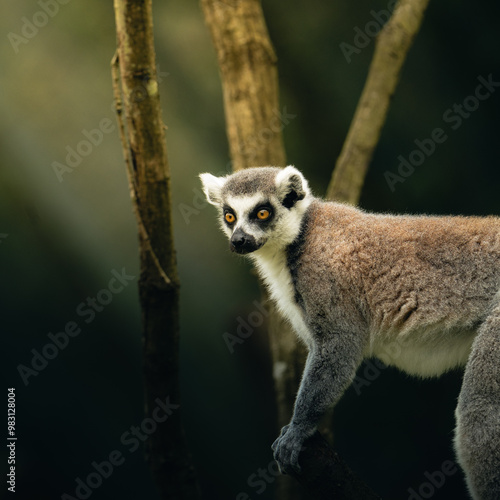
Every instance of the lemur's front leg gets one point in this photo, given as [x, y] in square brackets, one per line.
[330, 369]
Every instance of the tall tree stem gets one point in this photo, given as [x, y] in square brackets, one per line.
[143, 139]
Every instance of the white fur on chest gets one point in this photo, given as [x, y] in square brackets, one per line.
[272, 267]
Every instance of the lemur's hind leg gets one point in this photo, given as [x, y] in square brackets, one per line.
[477, 434]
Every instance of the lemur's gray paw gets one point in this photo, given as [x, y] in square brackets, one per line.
[288, 447]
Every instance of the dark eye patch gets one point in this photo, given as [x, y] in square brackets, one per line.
[263, 206]
[228, 215]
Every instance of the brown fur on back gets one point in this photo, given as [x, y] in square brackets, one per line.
[407, 275]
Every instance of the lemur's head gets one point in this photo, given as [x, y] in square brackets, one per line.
[259, 207]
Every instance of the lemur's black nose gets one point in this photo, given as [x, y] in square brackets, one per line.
[242, 242]
[238, 239]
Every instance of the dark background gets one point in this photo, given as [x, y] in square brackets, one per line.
[65, 238]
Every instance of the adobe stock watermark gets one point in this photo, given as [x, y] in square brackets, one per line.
[373, 367]
[363, 37]
[131, 439]
[435, 481]
[257, 142]
[246, 327]
[93, 138]
[260, 480]
[250, 148]
[31, 27]
[198, 203]
[88, 310]
[454, 116]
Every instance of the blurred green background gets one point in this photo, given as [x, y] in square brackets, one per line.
[61, 237]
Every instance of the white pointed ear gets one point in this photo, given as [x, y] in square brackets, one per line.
[291, 186]
[212, 187]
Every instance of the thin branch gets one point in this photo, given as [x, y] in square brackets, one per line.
[115, 73]
[392, 46]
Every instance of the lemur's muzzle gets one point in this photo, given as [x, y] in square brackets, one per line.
[243, 243]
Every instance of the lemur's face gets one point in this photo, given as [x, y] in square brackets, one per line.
[259, 207]
[249, 221]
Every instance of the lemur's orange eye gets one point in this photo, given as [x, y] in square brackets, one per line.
[263, 214]
[230, 218]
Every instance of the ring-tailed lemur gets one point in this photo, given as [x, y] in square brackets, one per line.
[353, 284]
